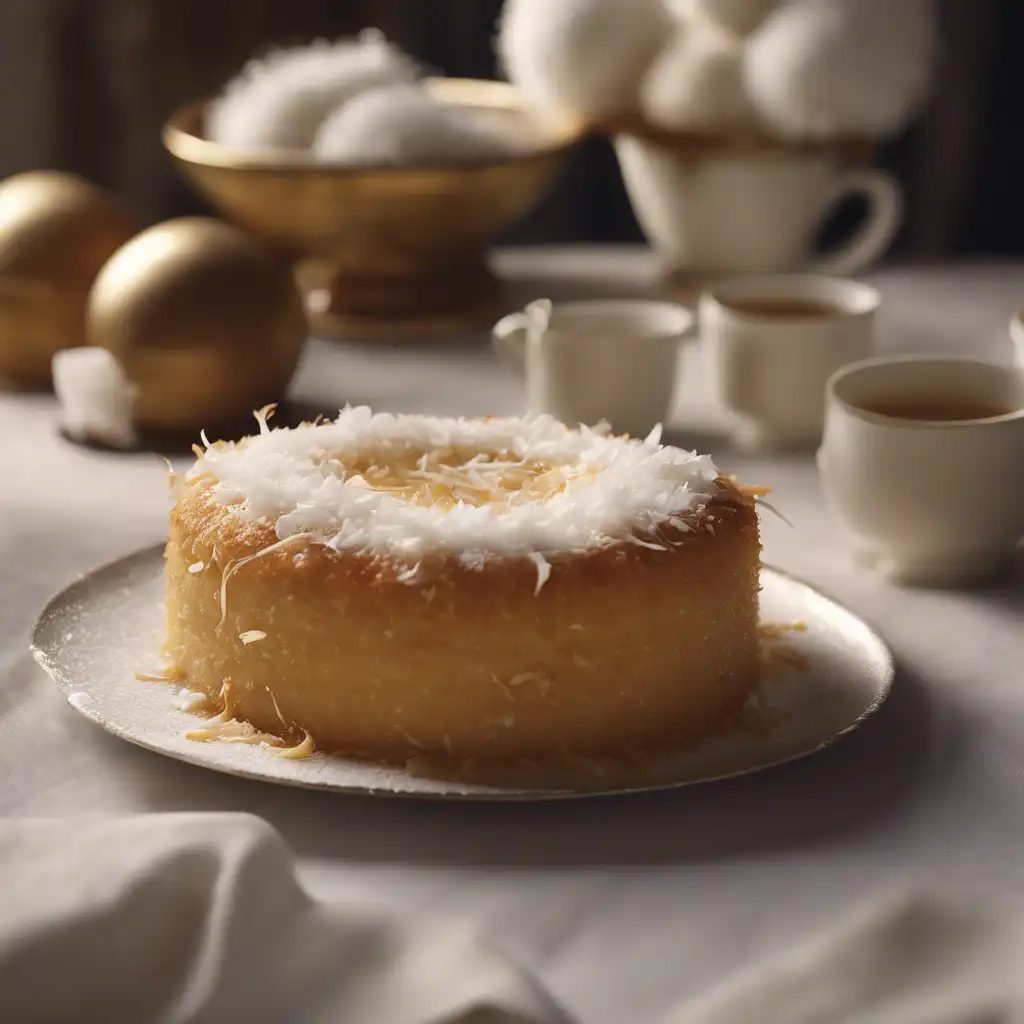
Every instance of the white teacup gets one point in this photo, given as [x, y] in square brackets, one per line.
[773, 342]
[714, 212]
[935, 500]
[595, 360]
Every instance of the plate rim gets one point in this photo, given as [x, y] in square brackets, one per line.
[476, 793]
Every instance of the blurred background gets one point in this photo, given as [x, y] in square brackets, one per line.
[87, 84]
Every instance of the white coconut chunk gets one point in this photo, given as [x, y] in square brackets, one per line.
[585, 57]
[280, 101]
[741, 17]
[404, 126]
[696, 84]
[96, 398]
[820, 69]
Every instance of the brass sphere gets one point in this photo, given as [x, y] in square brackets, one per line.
[205, 321]
[56, 232]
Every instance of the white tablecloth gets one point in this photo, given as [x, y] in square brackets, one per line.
[622, 907]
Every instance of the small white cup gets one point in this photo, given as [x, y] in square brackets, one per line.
[933, 502]
[770, 369]
[594, 360]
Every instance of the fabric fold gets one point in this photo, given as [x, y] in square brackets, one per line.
[199, 918]
[906, 958]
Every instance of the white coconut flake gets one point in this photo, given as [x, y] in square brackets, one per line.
[410, 574]
[646, 544]
[164, 672]
[277, 709]
[543, 571]
[409, 739]
[263, 415]
[252, 636]
[241, 563]
[542, 681]
[196, 567]
[606, 488]
[189, 700]
[504, 689]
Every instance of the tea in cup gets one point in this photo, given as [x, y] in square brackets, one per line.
[921, 460]
[594, 360]
[772, 344]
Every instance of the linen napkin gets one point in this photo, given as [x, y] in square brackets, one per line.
[908, 958]
[199, 918]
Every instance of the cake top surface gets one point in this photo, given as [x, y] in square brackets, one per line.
[409, 486]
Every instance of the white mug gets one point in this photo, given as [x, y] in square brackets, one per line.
[770, 369]
[594, 360]
[932, 501]
[719, 213]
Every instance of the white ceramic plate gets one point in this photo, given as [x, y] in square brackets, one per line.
[93, 637]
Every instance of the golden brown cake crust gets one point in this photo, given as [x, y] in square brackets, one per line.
[624, 647]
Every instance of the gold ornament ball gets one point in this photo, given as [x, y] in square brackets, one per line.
[56, 232]
[206, 322]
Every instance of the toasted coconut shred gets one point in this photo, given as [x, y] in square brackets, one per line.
[409, 487]
[225, 728]
[161, 674]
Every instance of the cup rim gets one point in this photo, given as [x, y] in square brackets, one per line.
[686, 317]
[853, 298]
[895, 422]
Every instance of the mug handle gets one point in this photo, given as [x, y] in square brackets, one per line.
[876, 234]
[1017, 337]
[508, 339]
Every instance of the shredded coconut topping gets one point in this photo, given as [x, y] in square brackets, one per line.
[410, 486]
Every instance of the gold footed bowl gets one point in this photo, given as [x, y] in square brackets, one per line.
[382, 246]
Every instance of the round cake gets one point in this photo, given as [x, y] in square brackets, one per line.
[493, 589]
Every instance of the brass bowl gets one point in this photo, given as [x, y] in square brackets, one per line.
[391, 242]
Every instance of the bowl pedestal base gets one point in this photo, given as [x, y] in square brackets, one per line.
[401, 307]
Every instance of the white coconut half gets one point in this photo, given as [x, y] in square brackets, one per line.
[281, 101]
[402, 125]
[696, 84]
[833, 68]
[584, 57]
[740, 17]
